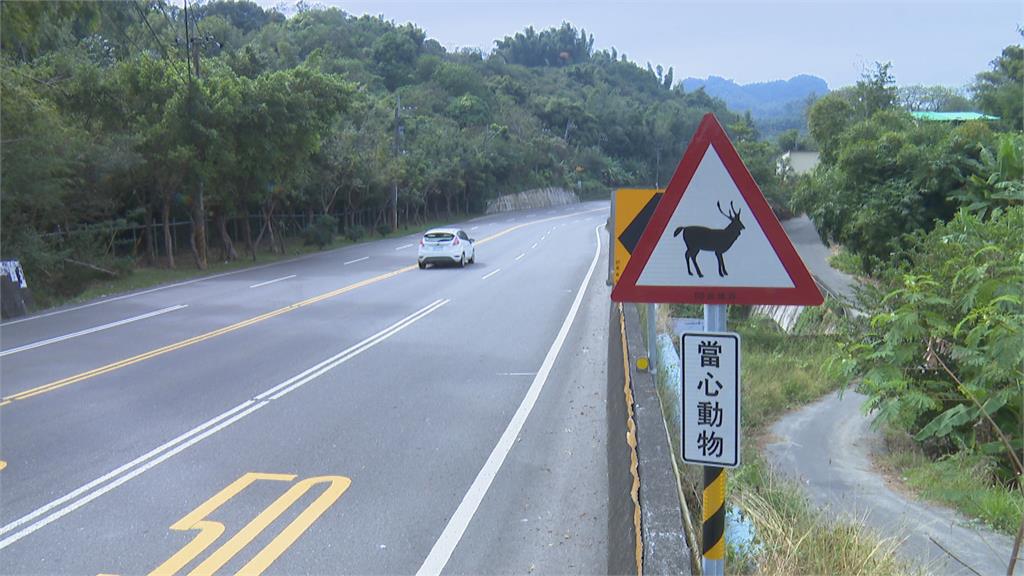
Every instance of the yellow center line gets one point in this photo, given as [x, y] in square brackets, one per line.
[239, 325]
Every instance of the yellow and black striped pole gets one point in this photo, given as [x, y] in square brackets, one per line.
[714, 521]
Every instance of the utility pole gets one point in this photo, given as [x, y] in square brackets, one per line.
[393, 216]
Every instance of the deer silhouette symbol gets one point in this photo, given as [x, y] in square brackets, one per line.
[719, 241]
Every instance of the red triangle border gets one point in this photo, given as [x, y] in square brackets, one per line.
[804, 290]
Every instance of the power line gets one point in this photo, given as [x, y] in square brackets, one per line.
[159, 42]
[195, 21]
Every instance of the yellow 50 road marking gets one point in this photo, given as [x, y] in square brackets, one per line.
[239, 325]
[210, 530]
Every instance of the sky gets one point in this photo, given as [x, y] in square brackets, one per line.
[928, 43]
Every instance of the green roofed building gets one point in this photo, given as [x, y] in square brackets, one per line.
[952, 116]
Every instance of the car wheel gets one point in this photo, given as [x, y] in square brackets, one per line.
[472, 258]
[422, 265]
[462, 261]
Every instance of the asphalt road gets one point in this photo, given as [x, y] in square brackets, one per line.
[814, 253]
[339, 413]
[827, 446]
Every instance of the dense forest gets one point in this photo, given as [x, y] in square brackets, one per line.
[238, 123]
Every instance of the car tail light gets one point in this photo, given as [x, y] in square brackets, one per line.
[455, 242]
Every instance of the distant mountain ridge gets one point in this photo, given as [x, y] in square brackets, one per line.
[776, 106]
[759, 95]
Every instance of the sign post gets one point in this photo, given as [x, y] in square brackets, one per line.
[711, 420]
[712, 239]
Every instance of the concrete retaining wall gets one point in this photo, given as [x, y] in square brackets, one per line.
[784, 316]
[663, 542]
[539, 198]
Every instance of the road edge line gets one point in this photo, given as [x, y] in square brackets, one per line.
[450, 537]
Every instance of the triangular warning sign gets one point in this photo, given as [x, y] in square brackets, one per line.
[713, 239]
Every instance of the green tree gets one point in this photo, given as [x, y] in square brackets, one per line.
[874, 92]
[1000, 91]
[826, 121]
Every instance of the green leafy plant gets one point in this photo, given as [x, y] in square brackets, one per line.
[943, 351]
[355, 233]
[998, 181]
[321, 233]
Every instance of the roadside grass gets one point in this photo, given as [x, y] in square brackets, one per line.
[964, 481]
[781, 372]
[792, 537]
[147, 277]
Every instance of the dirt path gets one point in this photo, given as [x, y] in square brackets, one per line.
[826, 446]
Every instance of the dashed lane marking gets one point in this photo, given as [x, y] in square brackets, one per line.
[442, 550]
[244, 323]
[273, 281]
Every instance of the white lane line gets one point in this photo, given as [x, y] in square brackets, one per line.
[534, 246]
[474, 228]
[356, 260]
[404, 246]
[520, 257]
[456, 527]
[489, 274]
[517, 373]
[91, 330]
[272, 281]
[157, 289]
[154, 457]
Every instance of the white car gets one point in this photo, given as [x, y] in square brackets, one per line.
[446, 246]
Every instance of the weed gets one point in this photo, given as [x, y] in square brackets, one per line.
[962, 480]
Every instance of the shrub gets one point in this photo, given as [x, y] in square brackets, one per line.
[355, 233]
[321, 232]
[942, 354]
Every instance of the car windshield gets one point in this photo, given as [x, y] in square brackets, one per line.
[439, 236]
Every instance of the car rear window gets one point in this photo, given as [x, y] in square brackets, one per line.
[439, 236]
